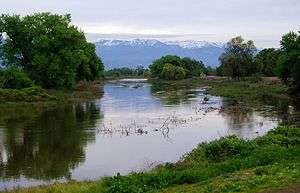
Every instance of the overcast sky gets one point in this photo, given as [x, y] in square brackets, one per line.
[215, 20]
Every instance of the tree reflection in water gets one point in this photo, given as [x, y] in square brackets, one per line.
[171, 93]
[45, 143]
[240, 119]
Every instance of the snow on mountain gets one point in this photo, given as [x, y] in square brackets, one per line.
[131, 53]
[134, 42]
[190, 44]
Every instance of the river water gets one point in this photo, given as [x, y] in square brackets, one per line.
[132, 127]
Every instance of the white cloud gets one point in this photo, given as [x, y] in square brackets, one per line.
[261, 20]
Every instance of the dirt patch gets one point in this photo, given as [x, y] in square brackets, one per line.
[291, 189]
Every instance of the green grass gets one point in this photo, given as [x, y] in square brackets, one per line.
[82, 91]
[31, 94]
[248, 91]
[228, 164]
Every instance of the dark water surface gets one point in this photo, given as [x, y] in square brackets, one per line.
[133, 127]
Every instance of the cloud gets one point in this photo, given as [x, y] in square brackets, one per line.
[257, 19]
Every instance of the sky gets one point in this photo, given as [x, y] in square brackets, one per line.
[263, 21]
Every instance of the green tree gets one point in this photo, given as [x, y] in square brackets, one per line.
[174, 68]
[266, 61]
[180, 73]
[49, 49]
[14, 78]
[193, 67]
[289, 60]
[157, 66]
[168, 72]
[238, 59]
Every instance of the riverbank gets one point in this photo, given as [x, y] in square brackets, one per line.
[248, 91]
[228, 164]
[82, 91]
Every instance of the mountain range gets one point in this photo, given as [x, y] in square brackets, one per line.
[141, 52]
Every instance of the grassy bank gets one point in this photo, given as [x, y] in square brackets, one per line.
[247, 91]
[82, 91]
[228, 164]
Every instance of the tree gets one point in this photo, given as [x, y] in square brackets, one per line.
[49, 49]
[14, 78]
[266, 61]
[168, 72]
[1, 52]
[157, 66]
[193, 67]
[174, 68]
[289, 60]
[238, 59]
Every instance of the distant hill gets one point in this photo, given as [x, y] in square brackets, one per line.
[132, 53]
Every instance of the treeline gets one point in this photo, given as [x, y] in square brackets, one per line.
[241, 59]
[139, 71]
[47, 50]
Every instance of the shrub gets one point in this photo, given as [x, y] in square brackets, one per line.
[14, 78]
[31, 94]
[225, 147]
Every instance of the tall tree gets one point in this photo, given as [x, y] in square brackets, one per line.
[289, 60]
[266, 61]
[238, 59]
[49, 48]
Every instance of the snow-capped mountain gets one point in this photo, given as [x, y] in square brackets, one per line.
[194, 44]
[132, 53]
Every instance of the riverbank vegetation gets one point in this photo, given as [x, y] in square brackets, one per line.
[251, 91]
[48, 49]
[240, 61]
[229, 164]
[124, 72]
[43, 51]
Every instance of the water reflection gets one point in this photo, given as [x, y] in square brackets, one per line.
[171, 93]
[45, 144]
[143, 123]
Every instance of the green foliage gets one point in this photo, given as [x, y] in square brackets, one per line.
[168, 72]
[15, 78]
[289, 60]
[211, 71]
[220, 70]
[123, 72]
[31, 94]
[238, 59]
[225, 148]
[250, 91]
[51, 51]
[231, 153]
[171, 72]
[266, 61]
[175, 68]
[193, 67]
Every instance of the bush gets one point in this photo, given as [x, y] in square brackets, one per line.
[31, 94]
[14, 78]
[225, 148]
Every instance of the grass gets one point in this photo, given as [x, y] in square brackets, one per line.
[228, 164]
[31, 94]
[248, 91]
[82, 91]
